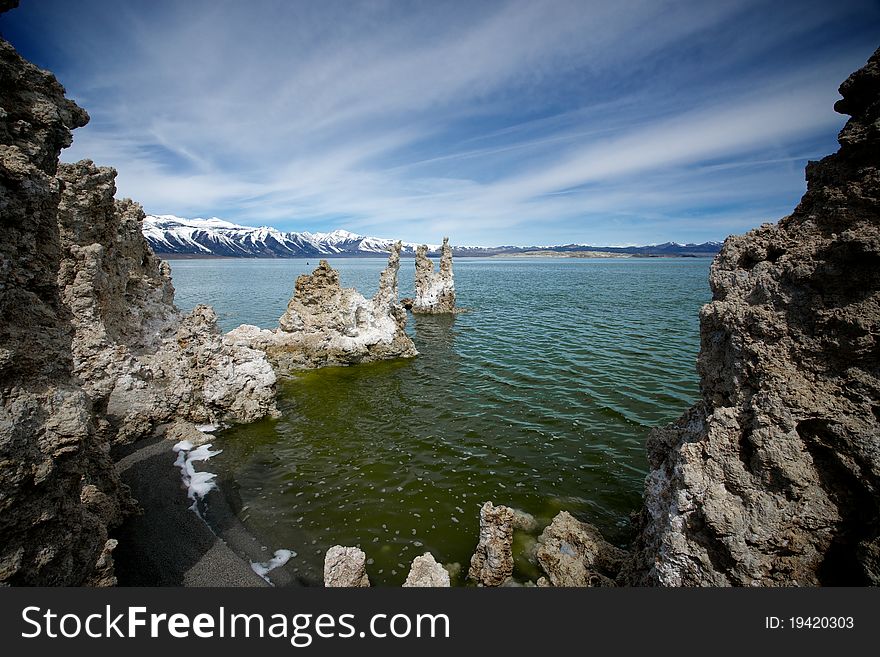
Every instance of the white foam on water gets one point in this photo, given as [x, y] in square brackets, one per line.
[202, 453]
[207, 428]
[198, 484]
[281, 557]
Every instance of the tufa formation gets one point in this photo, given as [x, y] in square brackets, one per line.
[435, 291]
[573, 553]
[345, 567]
[142, 362]
[492, 562]
[93, 350]
[773, 478]
[59, 493]
[426, 572]
[327, 324]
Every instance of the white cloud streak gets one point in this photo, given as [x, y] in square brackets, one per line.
[633, 121]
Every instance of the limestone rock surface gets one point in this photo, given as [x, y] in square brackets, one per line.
[524, 521]
[59, 492]
[92, 348]
[435, 291]
[574, 553]
[345, 567]
[492, 562]
[426, 572]
[140, 359]
[327, 324]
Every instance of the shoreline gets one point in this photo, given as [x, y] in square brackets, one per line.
[167, 544]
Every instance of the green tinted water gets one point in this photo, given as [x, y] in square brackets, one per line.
[540, 398]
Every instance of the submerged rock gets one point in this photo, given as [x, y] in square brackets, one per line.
[524, 521]
[573, 553]
[426, 572]
[435, 291]
[326, 324]
[454, 570]
[136, 355]
[773, 478]
[345, 567]
[492, 562]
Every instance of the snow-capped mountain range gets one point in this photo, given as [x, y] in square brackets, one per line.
[171, 235]
[168, 234]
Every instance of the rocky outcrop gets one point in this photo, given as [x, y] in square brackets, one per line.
[345, 567]
[492, 562]
[118, 291]
[327, 324]
[59, 493]
[141, 361]
[773, 478]
[104, 574]
[573, 553]
[196, 375]
[435, 291]
[426, 572]
[93, 348]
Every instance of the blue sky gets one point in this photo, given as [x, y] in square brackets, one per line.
[625, 122]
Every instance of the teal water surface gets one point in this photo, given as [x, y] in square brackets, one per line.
[539, 397]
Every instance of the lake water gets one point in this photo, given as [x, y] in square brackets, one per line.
[540, 397]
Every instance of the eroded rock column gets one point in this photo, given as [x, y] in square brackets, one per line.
[435, 291]
[345, 567]
[492, 562]
[327, 324]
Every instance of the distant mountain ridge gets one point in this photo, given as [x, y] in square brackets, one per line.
[170, 235]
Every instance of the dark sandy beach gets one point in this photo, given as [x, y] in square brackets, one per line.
[170, 545]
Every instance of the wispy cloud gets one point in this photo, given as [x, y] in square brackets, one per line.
[497, 122]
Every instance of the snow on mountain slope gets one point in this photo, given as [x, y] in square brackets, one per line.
[168, 235]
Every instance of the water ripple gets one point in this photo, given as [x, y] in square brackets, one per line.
[540, 397]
